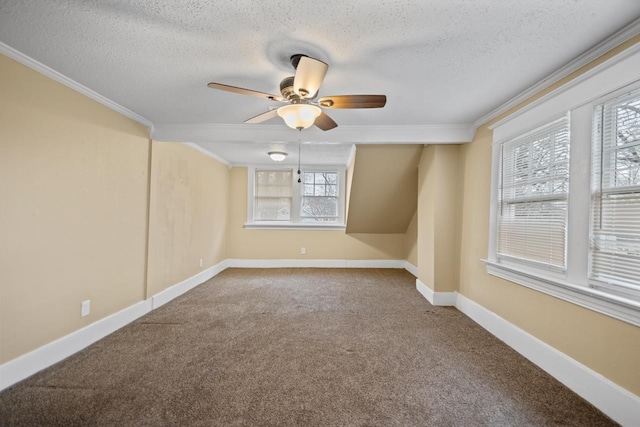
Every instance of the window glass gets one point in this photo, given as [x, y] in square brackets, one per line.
[319, 197]
[272, 201]
[615, 228]
[533, 196]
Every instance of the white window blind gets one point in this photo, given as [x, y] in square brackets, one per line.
[615, 229]
[319, 197]
[273, 195]
[532, 196]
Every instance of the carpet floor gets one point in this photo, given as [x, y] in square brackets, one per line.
[298, 347]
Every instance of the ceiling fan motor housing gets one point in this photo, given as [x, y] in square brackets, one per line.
[295, 59]
[286, 88]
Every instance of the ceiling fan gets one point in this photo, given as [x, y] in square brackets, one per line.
[299, 92]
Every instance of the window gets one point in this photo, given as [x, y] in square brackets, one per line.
[278, 200]
[615, 225]
[273, 195]
[319, 197]
[534, 185]
[565, 192]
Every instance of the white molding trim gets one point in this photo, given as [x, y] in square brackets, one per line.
[615, 401]
[617, 307]
[293, 226]
[426, 291]
[24, 366]
[208, 153]
[163, 297]
[411, 268]
[207, 133]
[595, 52]
[376, 263]
[352, 155]
[609, 76]
[436, 298]
[314, 263]
[72, 84]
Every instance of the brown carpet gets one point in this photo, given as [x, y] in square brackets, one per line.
[298, 347]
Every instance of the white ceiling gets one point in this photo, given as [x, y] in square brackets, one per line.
[443, 64]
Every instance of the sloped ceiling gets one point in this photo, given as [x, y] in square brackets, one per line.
[384, 188]
[443, 64]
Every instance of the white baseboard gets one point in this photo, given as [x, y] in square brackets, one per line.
[175, 291]
[436, 298]
[411, 268]
[618, 403]
[315, 263]
[615, 401]
[24, 366]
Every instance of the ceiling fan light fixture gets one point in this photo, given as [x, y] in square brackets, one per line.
[299, 116]
[277, 156]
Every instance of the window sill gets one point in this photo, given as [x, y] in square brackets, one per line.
[291, 226]
[617, 307]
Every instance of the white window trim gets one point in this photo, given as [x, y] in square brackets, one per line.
[606, 81]
[295, 223]
[508, 258]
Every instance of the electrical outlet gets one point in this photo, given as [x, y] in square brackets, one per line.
[303, 251]
[86, 308]
[200, 262]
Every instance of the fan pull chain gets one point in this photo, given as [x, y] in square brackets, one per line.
[299, 144]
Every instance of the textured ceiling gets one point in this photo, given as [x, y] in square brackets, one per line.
[440, 62]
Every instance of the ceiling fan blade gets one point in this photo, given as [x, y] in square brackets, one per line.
[325, 122]
[263, 117]
[249, 92]
[353, 101]
[309, 76]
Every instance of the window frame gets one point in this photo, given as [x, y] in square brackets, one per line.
[578, 98]
[514, 144]
[315, 184]
[296, 222]
[600, 191]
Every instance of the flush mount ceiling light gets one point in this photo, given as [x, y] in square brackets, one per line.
[277, 156]
[299, 116]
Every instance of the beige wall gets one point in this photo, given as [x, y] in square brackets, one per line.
[439, 217]
[426, 216]
[285, 244]
[383, 188]
[73, 210]
[411, 241]
[347, 185]
[188, 214]
[608, 346]
[76, 197]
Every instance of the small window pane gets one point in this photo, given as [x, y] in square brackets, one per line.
[615, 228]
[273, 195]
[320, 202]
[534, 175]
[316, 209]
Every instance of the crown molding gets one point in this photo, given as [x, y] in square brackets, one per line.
[202, 133]
[208, 153]
[352, 155]
[72, 84]
[590, 55]
[616, 73]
